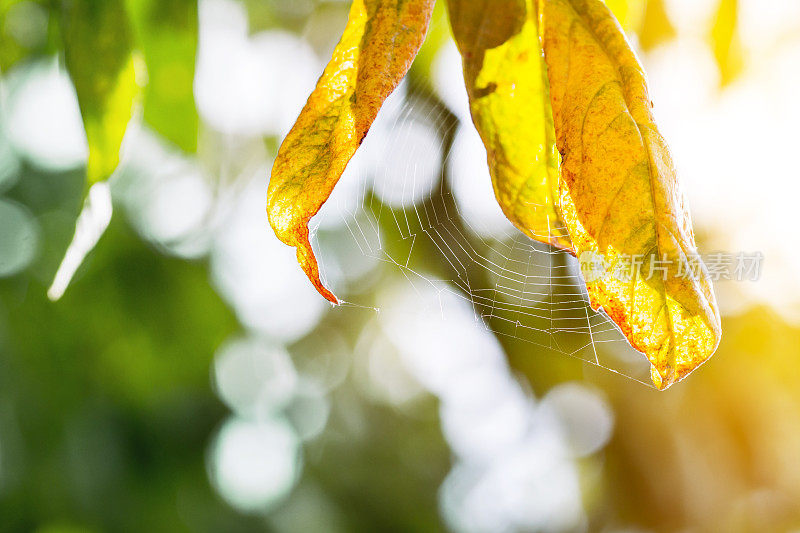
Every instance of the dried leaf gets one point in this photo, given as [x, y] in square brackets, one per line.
[98, 52]
[379, 44]
[506, 81]
[619, 193]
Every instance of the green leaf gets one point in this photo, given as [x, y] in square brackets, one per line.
[98, 52]
[166, 33]
[438, 35]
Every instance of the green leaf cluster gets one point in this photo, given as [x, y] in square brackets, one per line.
[121, 55]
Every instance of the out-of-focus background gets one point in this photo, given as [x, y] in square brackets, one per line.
[190, 379]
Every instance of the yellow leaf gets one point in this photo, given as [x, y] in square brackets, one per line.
[98, 45]
[656, 26]
[380, 42]
[506, 81]
[628, 12]
[725, 41]
[619, 193]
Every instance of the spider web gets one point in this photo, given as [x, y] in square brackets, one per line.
[400, 211]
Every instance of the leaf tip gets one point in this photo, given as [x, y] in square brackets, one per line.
[294, 232]
[308, 262]
[663, 378]
[92, 222]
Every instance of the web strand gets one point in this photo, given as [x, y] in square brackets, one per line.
[519, 288]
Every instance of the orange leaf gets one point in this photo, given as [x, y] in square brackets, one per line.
[380, 42]
[619, 194]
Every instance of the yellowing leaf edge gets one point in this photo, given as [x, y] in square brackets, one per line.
[379, 43]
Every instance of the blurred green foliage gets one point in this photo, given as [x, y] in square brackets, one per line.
[111, 49]
[167, 35]
[27, 30]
